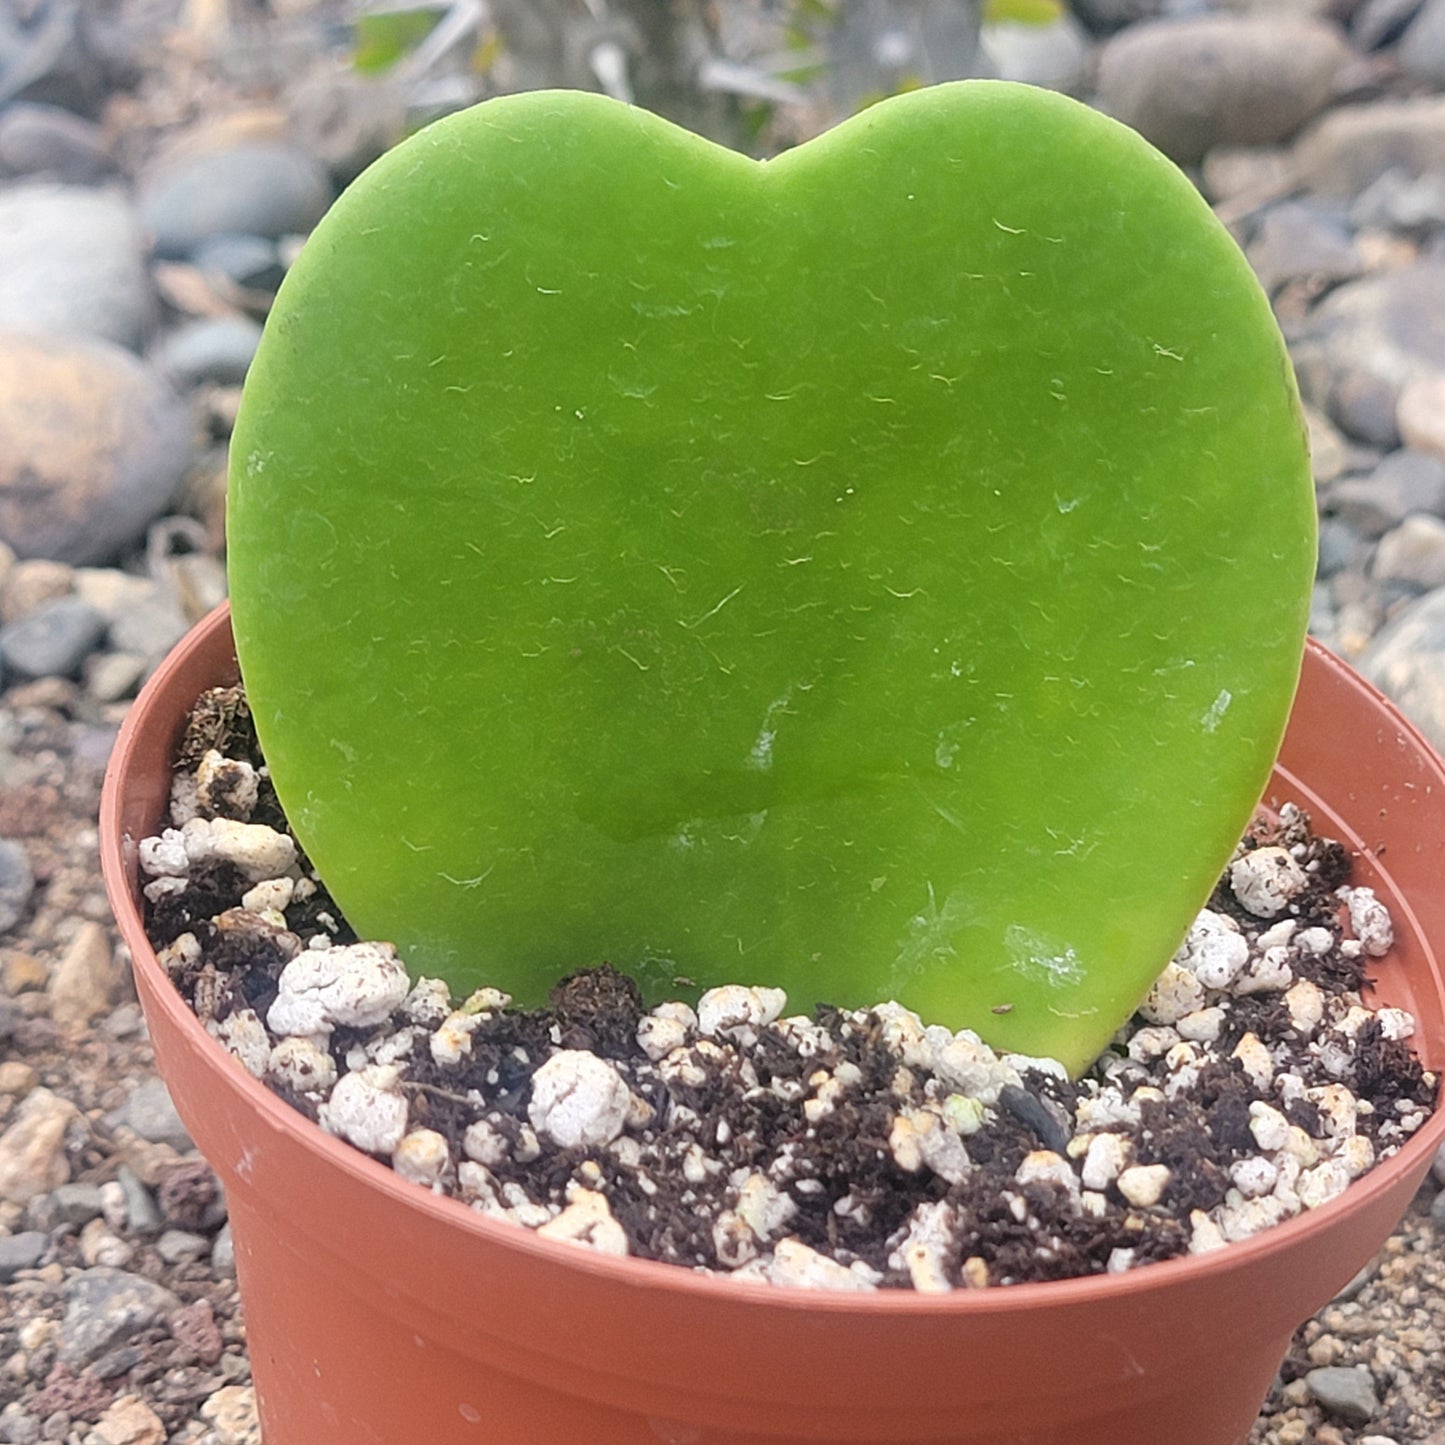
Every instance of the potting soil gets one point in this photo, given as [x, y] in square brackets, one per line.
[852, 1149]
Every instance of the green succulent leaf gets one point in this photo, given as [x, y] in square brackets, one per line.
[880, 571]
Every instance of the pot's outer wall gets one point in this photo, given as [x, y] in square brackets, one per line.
[381, 1315]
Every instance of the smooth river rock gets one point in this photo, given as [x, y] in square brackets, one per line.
[71, 262]
[1191, 84]
[93, 447]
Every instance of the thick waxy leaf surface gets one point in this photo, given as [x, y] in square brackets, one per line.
[880, 572]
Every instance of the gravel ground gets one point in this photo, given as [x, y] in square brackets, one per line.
[159, 162]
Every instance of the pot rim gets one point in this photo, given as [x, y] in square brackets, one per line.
[118, 868]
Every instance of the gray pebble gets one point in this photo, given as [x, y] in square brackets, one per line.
[143, 1214]
[75, 1204]
[111, 676]
[252, 262]
[1378, 23]
[47, 141]
[1413, 553]
[1354, 144]
[1346, 1391]
[1437, 1166]
[21, 1251]
[258, 188]
[180, 1246]
[17, 883]
[1190, 85]
[1406, 661]
[1357, 1282]
[1405, 481]
[223, 1253]
[1437, 1210]
[150, 1112]
[1297, 239]
[1366, 405]
[93, 447]
[53, 640]
[1341, 546]
[218, 349]
[1414, 205]
[1370, 337]
[104, 1308]
[18, 1426]
[71, 262]
[1421, 50]
[51, 57]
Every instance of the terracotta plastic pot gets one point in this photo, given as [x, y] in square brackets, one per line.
[379, 1314]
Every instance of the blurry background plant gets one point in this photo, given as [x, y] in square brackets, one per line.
[755, 74]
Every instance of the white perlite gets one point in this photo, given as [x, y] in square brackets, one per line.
[653, 1118]
[367, 1109]
[358, 985]
[579, 1100]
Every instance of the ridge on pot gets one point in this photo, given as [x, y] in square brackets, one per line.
[377, 1311]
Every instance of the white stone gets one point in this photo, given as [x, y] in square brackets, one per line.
[1326, 1181]
[736, 1013]
[578, 1100]
[1265, 880]
[1152, 1042]
[1306, 1005]
[164, 856]
[1357, 1154]
[1369, 920]
[1266, 972]
[763, 1207]
[1203, 1026]
[452, 1042]
[1175, 993]
[1043, 1166]
[33, 1159]
[227, 782]
[423, 1157]
[1105, 1108]
[966, 1064]
[1251, 1216]
[1317, 940]
[939, 1144]
[270, 896]
[1108, 1155]
[903, 1034]
[258, 851]
[1143, 1185]
[302, 1066]
[1205, 1235]
[367, 1109]
[1254, 1058]
[1214, 950]
[358, 985]
[1396, 1023]
[1337, 1106]
[1269, 1127]
[244, 1036]
[587, 1220]
[794, 1263]
[428, 1003]
[658, 1036]
[1254, 1176]
[925, 1247]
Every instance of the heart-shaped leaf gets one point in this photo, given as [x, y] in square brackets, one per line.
[880, 572]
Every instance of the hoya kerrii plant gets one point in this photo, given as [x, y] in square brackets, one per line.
[880, 571]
